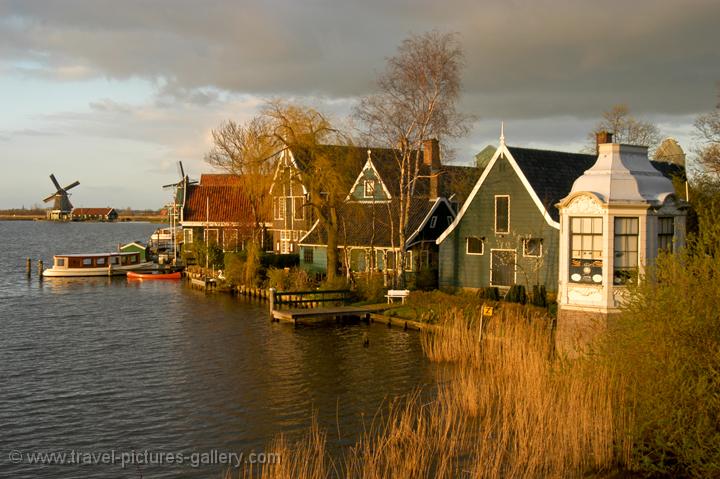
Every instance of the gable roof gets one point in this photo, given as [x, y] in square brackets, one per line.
[548, 177]
[92, 211]
[371, 223]
[218, 198]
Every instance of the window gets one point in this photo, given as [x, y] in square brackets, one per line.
[666, 230]
[100, 262]
[357, 260]
[60, 262]
[433, 222]
[502, 214]
[532, 247]
[380, 260]
[281, 208]
[212, 236]
[114, 260]
[474, 245]
[188, 235]
[133, 259]
[408, 261]
[424, 259]
[87, 261]
[502, 267]
[369, 189]
[390, 260]
[299, 211]
[586, 250]
[626, 250]
[308, 255]
[230, 239]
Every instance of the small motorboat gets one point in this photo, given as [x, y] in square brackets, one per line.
[153, 275]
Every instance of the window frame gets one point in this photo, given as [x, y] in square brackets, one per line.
[367, 183]
[525, 248]
[587, 268]
[498, 231]
[626, 275]
[515, 268]
[467, 246]
[665, 237]
[301, 208]
[433, 221]
[308, 254]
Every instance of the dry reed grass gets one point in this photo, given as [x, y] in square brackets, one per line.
[507, 407]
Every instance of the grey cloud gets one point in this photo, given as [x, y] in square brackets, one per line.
[525, 59]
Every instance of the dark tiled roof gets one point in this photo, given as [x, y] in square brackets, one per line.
[365, 224]
[91, 211]
[552, 173]
[217, 204]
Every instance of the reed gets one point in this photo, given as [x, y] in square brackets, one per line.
[504, 406]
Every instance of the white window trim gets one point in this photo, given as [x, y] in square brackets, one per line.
[207, 235]
[508, 215]
[188, 235]
[524, 247]
[365, 188]
[491, 267]
[433, 221]
[467, 246]
[408, 254]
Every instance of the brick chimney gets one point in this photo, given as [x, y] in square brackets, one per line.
[431, 158]
[602, 137]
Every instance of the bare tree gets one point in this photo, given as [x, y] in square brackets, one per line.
[247, 151]
[326, 172]
[417, 98]
[625, 129]
[708, 133]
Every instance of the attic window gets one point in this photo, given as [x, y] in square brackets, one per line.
[369, 190]
[433, 221]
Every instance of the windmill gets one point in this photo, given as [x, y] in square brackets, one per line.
[175, 209]
[61, 206]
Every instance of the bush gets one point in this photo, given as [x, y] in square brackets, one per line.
[426, 279]
[516, 294]
[234, 269]
[371, 288]
[293, 279]
[539, 296]
[491, 293]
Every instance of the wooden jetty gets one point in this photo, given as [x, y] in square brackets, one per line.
[310, 306]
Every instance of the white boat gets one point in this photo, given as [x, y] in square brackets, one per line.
[100, 264]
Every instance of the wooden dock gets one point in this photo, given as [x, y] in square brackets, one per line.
[299, 315]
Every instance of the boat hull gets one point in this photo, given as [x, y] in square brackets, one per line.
[153, 276]
[104, 271]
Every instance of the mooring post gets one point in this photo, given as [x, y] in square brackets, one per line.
[271, 301]
[40, 268]
[29, 266]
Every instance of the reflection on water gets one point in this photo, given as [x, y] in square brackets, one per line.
[101, 363]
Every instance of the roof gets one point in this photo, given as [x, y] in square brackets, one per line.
[217, 204]
[458, 181]
[220, 179]
[92, 211]
[549, 177]
[551, 173]
[368, 224]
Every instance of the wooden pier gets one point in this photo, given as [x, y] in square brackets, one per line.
[310, 306]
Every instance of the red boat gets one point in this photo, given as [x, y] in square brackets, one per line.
[135, 275]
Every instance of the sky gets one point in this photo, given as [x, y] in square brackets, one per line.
[114, 94]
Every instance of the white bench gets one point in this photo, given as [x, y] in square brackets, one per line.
[397, 293]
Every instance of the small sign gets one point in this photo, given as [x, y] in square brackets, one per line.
[487, 311]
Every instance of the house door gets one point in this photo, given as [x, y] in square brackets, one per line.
[502, 267]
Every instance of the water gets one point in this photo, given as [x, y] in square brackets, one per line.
[94, 365]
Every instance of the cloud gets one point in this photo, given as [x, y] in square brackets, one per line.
[524, 58]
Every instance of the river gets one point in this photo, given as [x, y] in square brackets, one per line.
[103, 366]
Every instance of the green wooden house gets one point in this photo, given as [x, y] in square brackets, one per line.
[507, 231]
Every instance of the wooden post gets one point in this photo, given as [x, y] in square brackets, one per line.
[271, 301]
[40, 268]
[29, 266]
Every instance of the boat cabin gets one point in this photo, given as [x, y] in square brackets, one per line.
[100, 260]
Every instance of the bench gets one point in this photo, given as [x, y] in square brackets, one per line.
[397, 293]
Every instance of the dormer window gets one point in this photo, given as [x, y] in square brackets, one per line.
[433, 222]
[369, 190]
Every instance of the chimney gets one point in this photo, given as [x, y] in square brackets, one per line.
[431, 158]
[602, 137]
